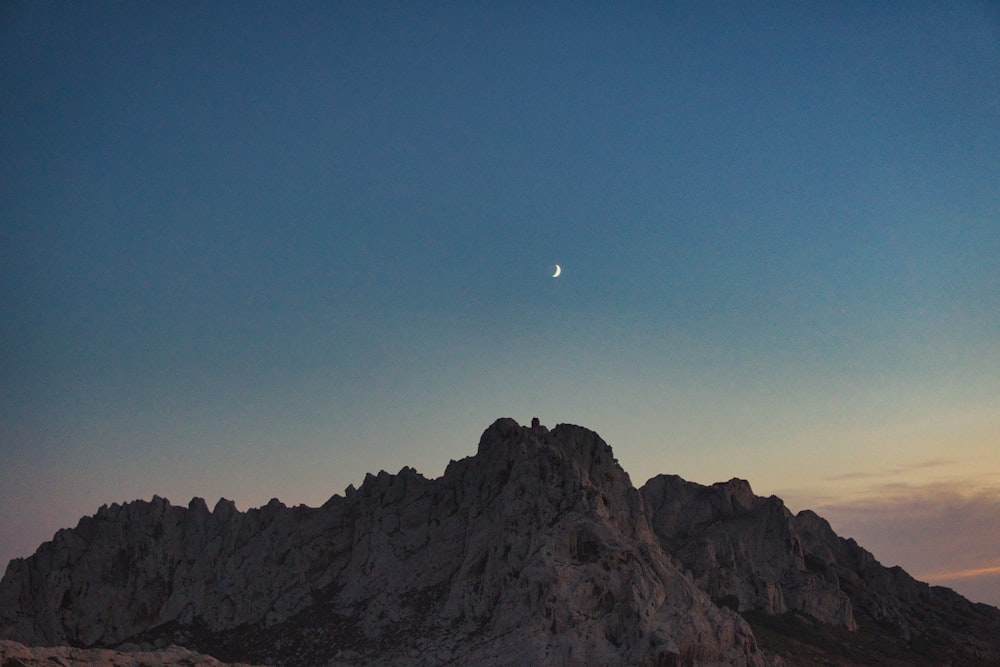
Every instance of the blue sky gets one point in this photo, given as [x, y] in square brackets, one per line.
[258, 250]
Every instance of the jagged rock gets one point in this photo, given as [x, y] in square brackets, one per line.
[14, 654]
[742, 549]
[537, 550]
[919, 613]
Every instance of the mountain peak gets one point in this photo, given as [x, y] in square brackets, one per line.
[508, 440]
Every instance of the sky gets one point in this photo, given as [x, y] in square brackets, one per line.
[255, 250]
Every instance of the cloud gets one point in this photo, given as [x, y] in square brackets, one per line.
[891, 472]
[964, 574]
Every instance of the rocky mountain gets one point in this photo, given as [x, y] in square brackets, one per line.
[537, 550]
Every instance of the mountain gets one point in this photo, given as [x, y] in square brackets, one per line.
[537, 550]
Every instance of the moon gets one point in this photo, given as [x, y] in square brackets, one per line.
[558, 271]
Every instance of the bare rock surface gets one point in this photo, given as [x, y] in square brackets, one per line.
[14, 654]
[536, 550]
[789, 572]
[743, 549]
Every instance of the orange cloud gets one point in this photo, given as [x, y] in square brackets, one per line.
[962, 574]
[890, 472]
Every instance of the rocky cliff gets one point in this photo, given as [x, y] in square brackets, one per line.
[537, 550]
[742, 549]
[796, 580]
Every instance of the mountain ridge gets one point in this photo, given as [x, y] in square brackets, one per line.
[537, 549]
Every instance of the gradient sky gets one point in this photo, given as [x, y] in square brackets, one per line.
[258, 250]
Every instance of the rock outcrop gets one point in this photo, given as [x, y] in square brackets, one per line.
[752, 554]
[537, 550]
[743, 549]
[14, 654]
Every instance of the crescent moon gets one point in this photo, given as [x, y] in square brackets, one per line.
[558, 271]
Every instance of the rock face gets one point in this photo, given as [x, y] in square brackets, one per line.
[13, 654]
[743, 549]
[537, 550]
[751, 554]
